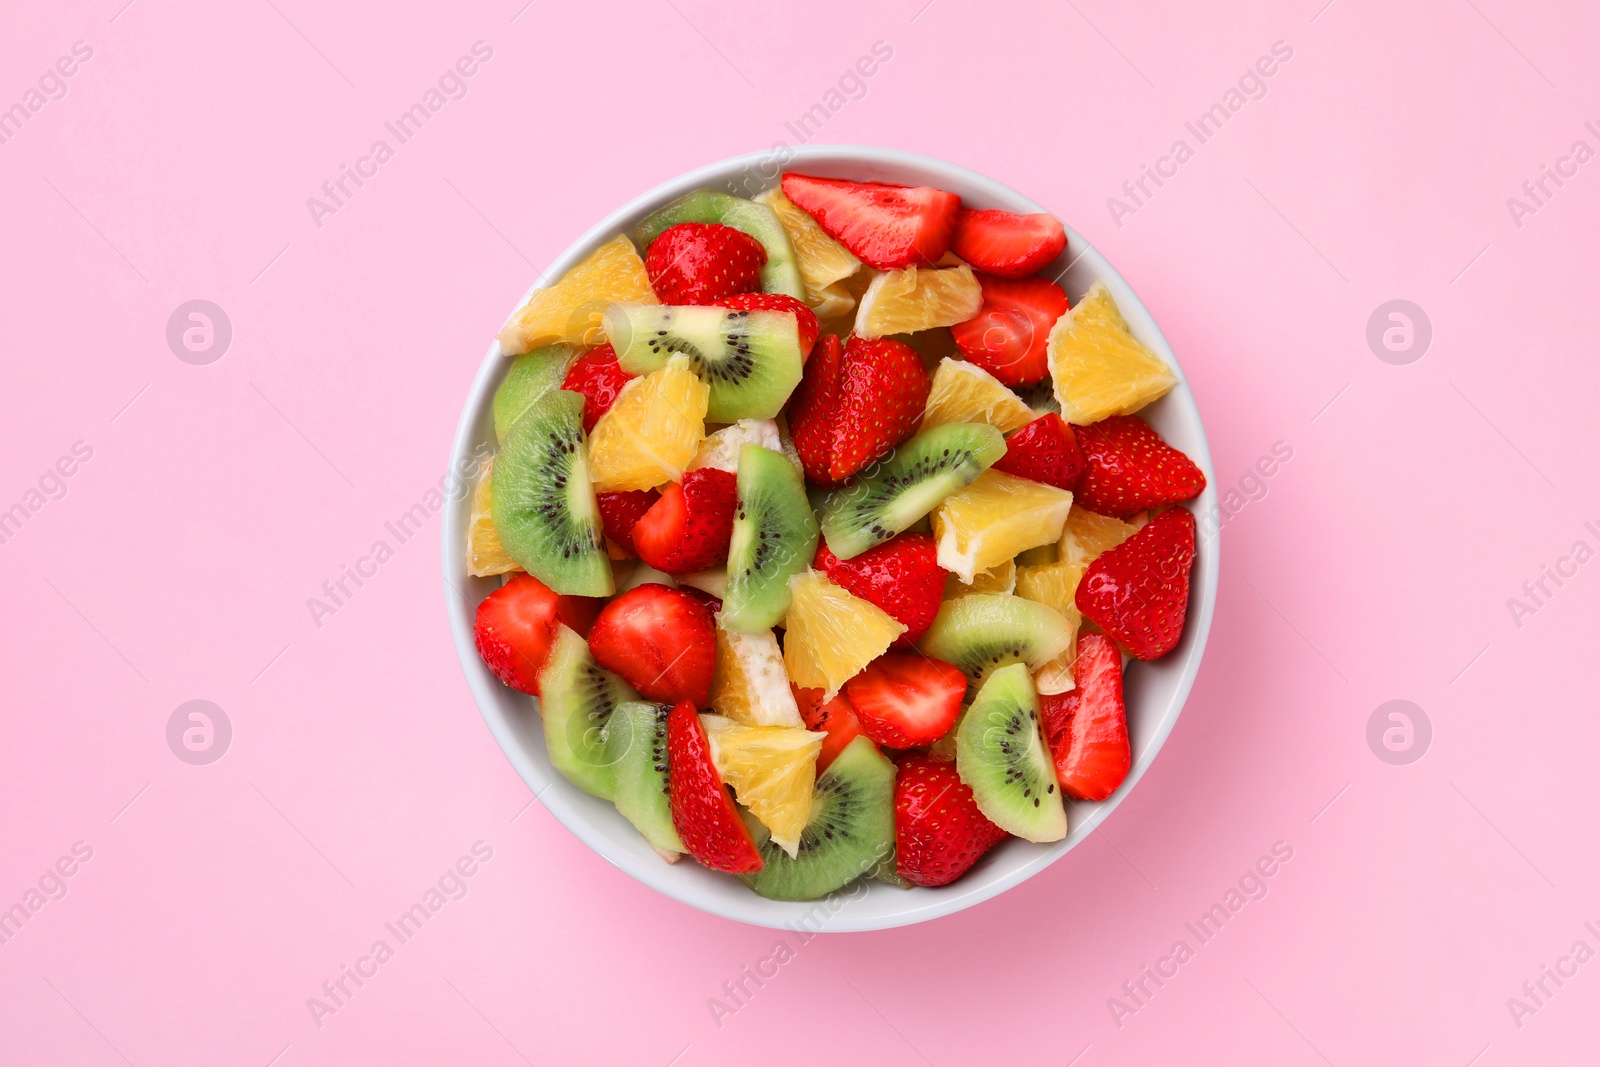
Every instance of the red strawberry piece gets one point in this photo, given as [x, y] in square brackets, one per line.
[1006, 244]
[882, 392]
[1138, 592]
[804, 317]
[939, 833]
[906, 699]
[688, 529]
[516, 625]
[1045, 450]
[1087, 726]
[711, 604]
[902, 576]
[887, 227]
[660, 641]
[1131, 469]
[702, 810]
[621, 511]
[813, 406]
[1009, 334]
[597, 375]
[836, 718]
[702, 262]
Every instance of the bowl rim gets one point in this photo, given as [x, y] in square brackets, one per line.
[558, 796]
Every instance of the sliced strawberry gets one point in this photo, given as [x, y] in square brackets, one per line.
[1008, 245]
[1131, 469]
[688, 529]
[887, 227]
[882, 392]
[836, 718]
[902, 576]
[702, 810]
[813, 406]
[1087, 726]
[906, 699]
[660, 641]
[515, 627]
[1045, 450]
[1009, 334]
[1138, 592]
[711, 604]
[621, 511]
[804, 317]
[939, 833]
[597, 375]
[702, 262]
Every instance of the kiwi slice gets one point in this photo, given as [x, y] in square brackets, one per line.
[850, 833]
[636, 747]
[530, 378]
[750, 359]
[1002, 758]
[577, 698]
[542, 502]
[980, 632]
[911, 482]
[780, 275]
[774, 536]
[1040, 396]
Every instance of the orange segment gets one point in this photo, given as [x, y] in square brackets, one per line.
[1001, 578]
[1088, 534]
[485, 554]
[822, 260]
[1055, 585]
[570, 309]
[772, 770]
[988, 522]
[831, 634]
[750, 685]
[651, 434]
[905, 301]
[965, 392]
[1099, 368]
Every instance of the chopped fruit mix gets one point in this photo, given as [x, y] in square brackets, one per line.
[896, 527]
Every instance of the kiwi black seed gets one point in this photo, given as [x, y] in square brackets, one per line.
[750, 359]
[1002, 758]
[980, 632]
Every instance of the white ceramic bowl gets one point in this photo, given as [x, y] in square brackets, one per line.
[1155, 692]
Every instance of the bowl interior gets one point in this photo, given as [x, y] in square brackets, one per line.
[1155, 692]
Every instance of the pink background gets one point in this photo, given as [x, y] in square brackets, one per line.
[219, 498]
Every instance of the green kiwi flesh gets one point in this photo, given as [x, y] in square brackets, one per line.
[750, 359]
[531, 376]
[774, 536]
[1002, 758]
[981, 632]
[577, 698]
[636, 748]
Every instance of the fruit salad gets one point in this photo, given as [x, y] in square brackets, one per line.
[828, 526]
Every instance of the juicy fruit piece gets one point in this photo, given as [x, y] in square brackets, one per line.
[1138, 592]
[749, 359]
[660, 641]
[1009, 334]
[543, 503]
[887, 227]
[912, 482]
[1001, 578]
[853, 407]
[1045, 450]
[758, 220]
[905, 301]
[1087, 729]
[821, 259]
[997, 516]
[531, 376]
[1098, 367]
[702, 262]
[515, 625]
[901, 576]
[986, 631]
[772, 770]
[965, 392]
[830, 634]
[835, 718]
[1131, 469]
[687, 529]
[1001, 756]
[600, 379]
[577, 698]
[486, 556]
[721, 449]
[703, 813]
[1054, 585]
[570, 309]
[1007, 244]
[939, 833]
[652, 431]
[850, 830]
[805, 319]
[1087, 535]
[906, 699]
[774, 537]
[619, 513]
[636, 748]
[750, 684]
